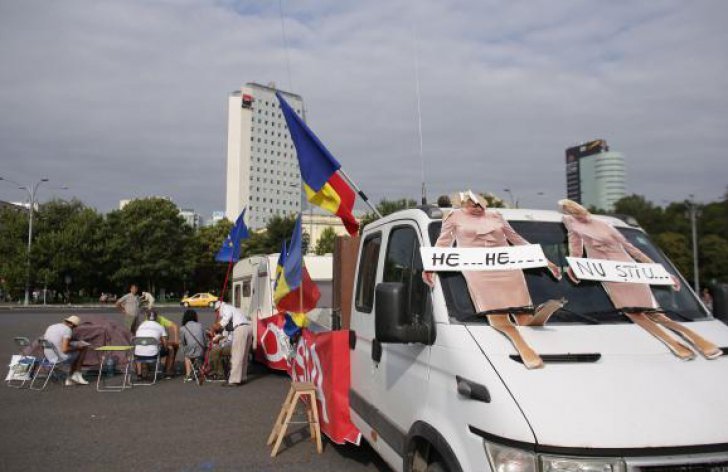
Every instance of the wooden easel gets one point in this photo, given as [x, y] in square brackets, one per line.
[297, 390]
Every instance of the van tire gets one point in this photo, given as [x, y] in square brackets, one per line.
[426, 440]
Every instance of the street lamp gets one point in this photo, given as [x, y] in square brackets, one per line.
[31, 189]
[693, 209]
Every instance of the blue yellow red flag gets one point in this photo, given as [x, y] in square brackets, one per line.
[295, 291]
[322, 183]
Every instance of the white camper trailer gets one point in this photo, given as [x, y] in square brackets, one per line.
[253, 285]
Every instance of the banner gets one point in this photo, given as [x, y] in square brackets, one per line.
[603, 270]
[273, 344]
[323, 359]
[482, 259]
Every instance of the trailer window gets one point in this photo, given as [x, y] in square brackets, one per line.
[246, 288]
[367, 277]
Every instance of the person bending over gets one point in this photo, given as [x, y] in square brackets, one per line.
[60, 335]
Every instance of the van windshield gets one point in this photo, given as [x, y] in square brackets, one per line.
[587, 298]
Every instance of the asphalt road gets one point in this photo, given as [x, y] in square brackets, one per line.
[169, 426]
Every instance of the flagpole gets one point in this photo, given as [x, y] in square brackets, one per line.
[360, 192]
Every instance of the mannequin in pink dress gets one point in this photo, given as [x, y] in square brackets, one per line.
[474, 226]
[600, 240]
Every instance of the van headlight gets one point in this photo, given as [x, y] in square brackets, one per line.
[580, 464]
[509, 459]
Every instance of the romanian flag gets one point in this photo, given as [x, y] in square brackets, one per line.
[295, 291]
[281, 263]
[324, 186]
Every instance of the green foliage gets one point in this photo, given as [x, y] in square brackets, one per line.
[325, 244]
[677, 247]
[269, 240]
[387, 207]
[713, 258]
[148, 240]
[13, 252]
[207, 274]
[672, 230]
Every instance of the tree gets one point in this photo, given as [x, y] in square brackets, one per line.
[326, 241]
[13, 252]
[147, 240]
[69, 247]
[387, 207]
[648, 215]
[713, 258]
[268, 241]
[677, 247]
[207, 273]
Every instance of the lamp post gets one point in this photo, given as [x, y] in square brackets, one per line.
[693, 210]
[31, 189]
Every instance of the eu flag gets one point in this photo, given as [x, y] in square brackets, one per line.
[230, 249]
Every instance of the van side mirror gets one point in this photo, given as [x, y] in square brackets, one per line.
[390, 319]
[720, 302]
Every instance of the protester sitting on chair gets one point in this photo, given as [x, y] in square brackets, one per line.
[151, 329]
[221, 348]
[172, 343]
[59, 335]
[193, 341]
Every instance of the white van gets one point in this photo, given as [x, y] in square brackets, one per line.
[253, 282]
[434, 387]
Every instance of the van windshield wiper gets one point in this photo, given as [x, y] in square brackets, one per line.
[638, 309]
[481, 315]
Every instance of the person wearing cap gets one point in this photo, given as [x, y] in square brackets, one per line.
[60, 335]
[242, 338]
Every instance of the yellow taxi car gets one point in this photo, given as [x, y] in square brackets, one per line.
[199, 300]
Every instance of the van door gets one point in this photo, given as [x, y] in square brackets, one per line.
[401, 376]
[362, 325]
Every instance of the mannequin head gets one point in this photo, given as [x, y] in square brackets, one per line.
[469, 202]
[570, 207]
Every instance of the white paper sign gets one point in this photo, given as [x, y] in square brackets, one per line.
[604, 270]
[482, 258]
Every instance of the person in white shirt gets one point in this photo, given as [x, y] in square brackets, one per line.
[151, 329]
[234, 320]
[59, 335]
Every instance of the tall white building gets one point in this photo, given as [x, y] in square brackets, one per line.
[262, 169]
[191, 217]
[595, 176]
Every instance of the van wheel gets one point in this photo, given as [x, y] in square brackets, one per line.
[436, 467]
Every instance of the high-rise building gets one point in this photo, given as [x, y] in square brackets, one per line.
[595, 176]
[262, 169]
[191, 217]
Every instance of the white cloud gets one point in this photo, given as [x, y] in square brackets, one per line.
[127, 98]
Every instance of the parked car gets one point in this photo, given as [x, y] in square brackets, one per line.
[199, 300]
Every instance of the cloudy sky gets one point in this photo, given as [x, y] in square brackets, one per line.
[128, 98]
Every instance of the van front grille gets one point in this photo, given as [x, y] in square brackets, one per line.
[706, 467]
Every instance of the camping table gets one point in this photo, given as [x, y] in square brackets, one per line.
[105, 351]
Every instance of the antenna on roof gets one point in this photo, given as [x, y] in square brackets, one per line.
[419, 115]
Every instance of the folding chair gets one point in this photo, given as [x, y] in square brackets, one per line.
[146, 341]
[47, 364]
[197, 363]
[24, 367]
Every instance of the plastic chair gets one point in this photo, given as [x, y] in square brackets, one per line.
[146, 341]
[47, 364]
[196, 366]
[25, 364]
